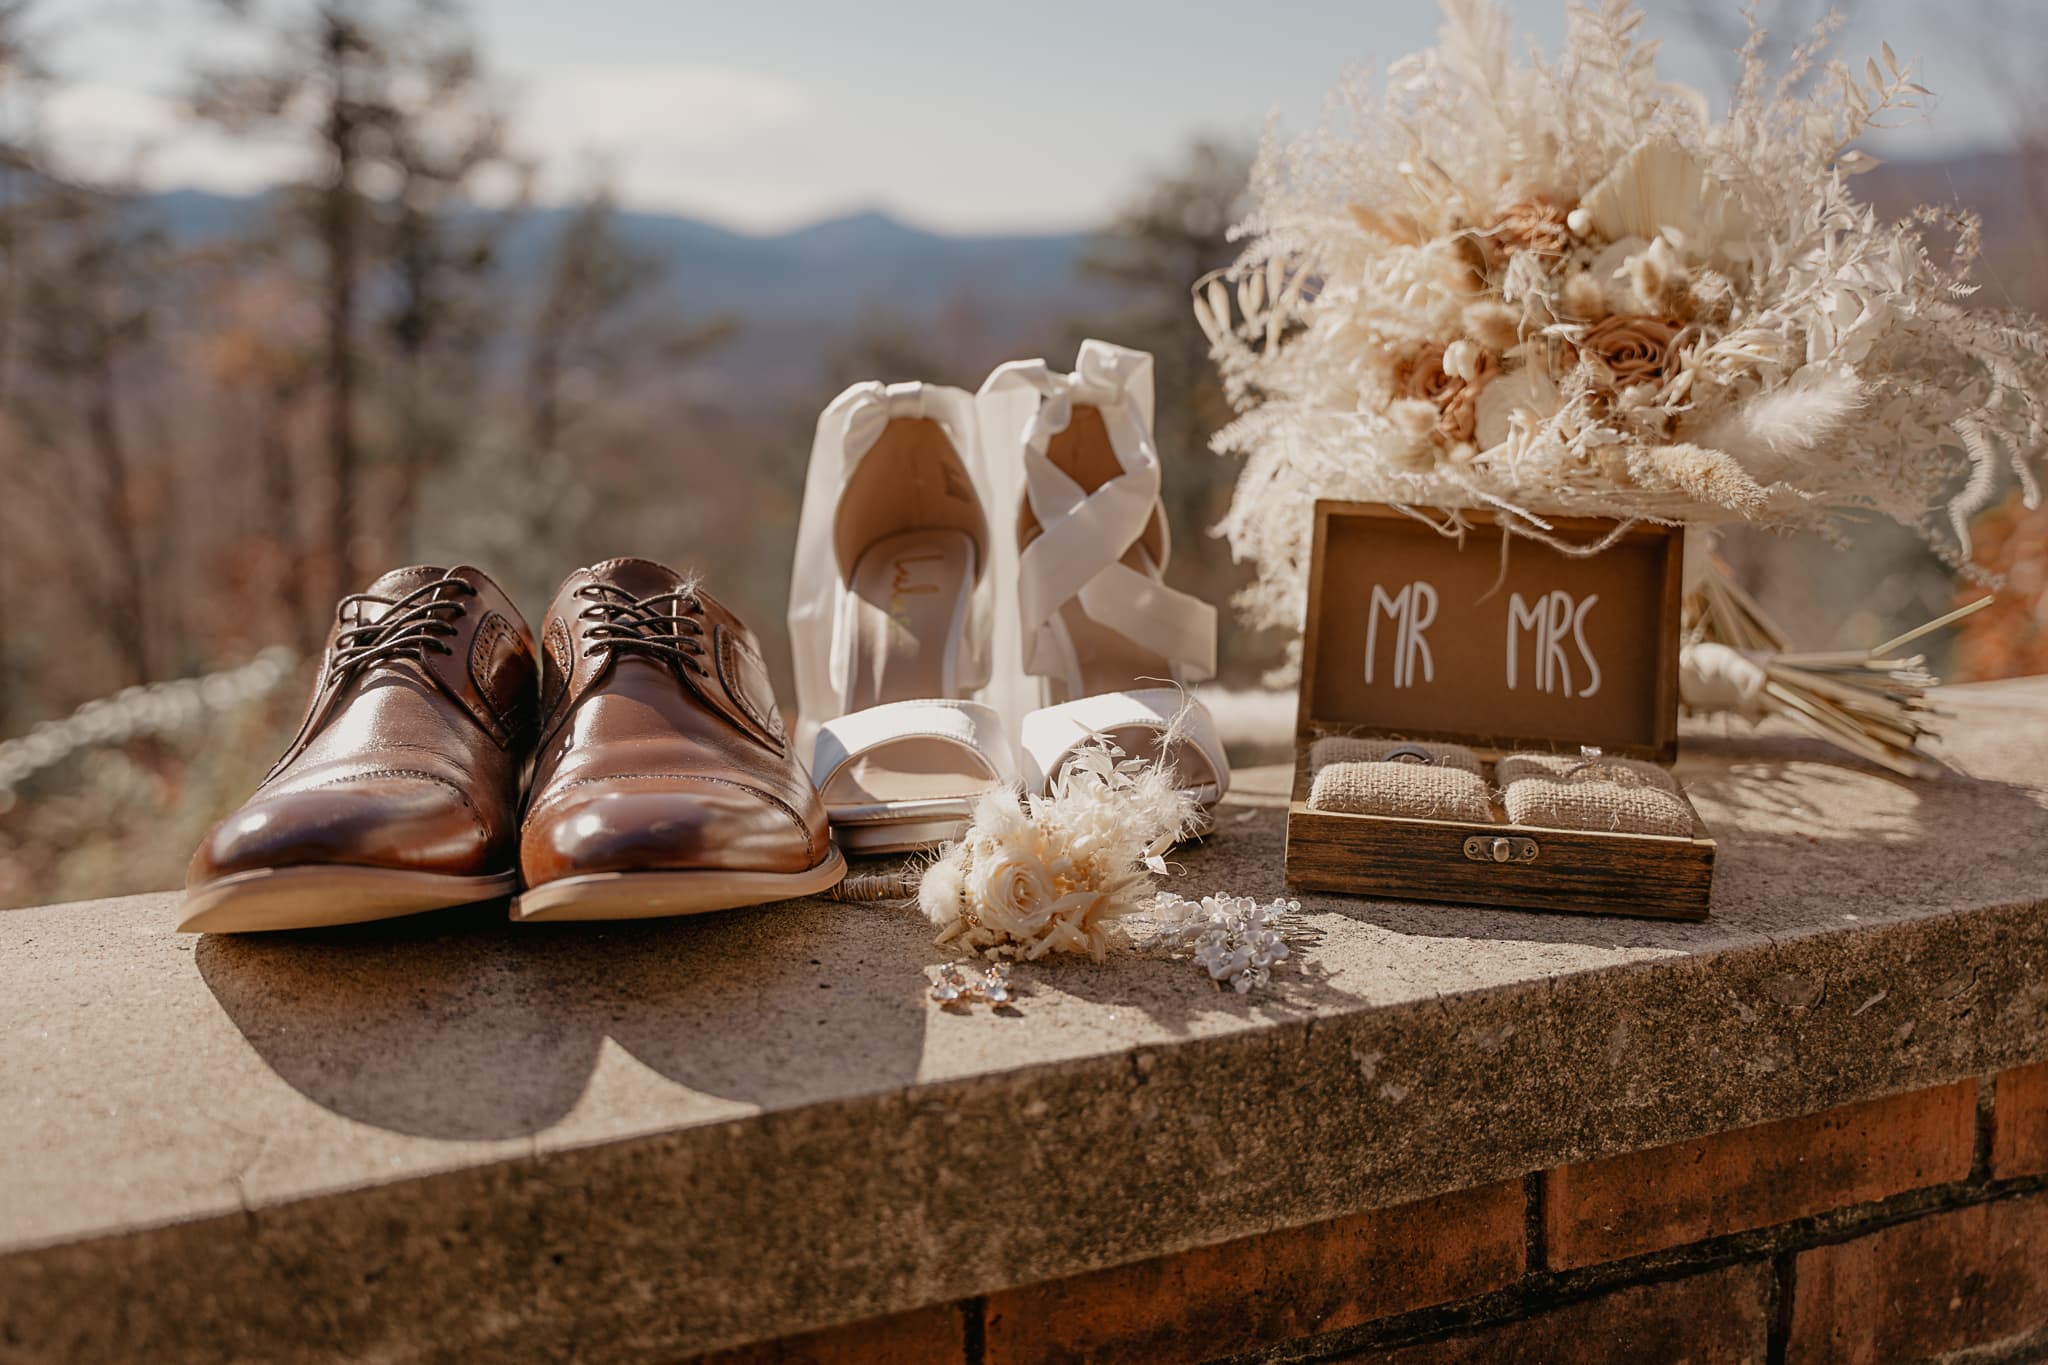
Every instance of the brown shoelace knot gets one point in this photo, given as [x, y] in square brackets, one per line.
[411, 627]
[663, 625]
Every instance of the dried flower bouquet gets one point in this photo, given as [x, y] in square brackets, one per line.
[1563, 287]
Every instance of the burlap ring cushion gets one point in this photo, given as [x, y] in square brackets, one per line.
[1358, 777]
[1616, 795]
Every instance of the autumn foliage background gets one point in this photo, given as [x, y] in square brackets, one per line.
[219, 415]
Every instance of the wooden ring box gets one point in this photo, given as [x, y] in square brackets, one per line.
[1503, 644]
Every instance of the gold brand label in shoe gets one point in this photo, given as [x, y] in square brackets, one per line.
[903, 586]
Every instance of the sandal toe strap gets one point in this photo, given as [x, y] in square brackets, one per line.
[969, 726]
[1052, 734]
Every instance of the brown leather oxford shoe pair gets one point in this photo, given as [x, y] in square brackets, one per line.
[661, 781]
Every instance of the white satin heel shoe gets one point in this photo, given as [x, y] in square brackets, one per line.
[1113, 645]
[890, 616]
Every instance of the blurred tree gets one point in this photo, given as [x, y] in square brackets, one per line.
[257, 337]
[442, 253]
[21, 80]
[2017, 256]
[390, 99]
[1173, 232]
[604, 314]
[89, 286]
[588, 417]
[885, 349]
[20, 76]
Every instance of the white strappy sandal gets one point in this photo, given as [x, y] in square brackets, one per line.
[1113, 645]
[889, 619]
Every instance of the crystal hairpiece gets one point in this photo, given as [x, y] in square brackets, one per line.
[1235, 939]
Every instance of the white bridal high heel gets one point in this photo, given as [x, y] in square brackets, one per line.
[1113, 645]
[889, 619]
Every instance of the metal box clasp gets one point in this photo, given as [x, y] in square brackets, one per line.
[1500, 848]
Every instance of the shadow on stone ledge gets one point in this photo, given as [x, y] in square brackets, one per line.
[460, 1025]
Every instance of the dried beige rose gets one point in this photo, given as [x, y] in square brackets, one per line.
[1532, 225]
[1636, 348]
[1422, 376]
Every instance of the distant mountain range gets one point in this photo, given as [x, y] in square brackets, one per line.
[798, 294]
[970, 299]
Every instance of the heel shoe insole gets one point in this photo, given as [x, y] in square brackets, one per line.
[909, 598]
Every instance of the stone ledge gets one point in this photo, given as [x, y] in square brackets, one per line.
[639, 1141]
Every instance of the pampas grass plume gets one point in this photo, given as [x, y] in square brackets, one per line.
[1711, 476]
[1413, 418]
[1584, 298]
[1493, 325]
[1776, 428]
[1658, 278]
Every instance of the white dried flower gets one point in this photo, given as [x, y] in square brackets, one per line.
[1461, 360]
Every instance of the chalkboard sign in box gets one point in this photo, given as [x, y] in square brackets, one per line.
[1505, 645]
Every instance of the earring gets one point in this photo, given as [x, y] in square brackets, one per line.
[955, 987]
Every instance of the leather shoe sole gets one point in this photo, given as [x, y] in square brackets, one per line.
[317, 897]
[648, 895]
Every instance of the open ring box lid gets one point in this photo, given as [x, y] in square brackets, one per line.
[1506, 645]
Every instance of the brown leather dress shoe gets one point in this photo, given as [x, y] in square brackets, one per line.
[401, 792]
[664, 783]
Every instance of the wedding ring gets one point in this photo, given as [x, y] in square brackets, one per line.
[1617, 773]
[1407, 753]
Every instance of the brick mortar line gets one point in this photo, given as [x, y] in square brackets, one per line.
[1784, 1287]
[1542, 1292]
[1987, 1110]
[1536, 1238]
[973, 1329]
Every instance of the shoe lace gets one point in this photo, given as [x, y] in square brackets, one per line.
[623, 623]
[411, 627]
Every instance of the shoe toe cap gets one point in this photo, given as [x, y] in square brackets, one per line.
[668, 824]
[408, 823]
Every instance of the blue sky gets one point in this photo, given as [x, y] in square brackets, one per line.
[959, 115]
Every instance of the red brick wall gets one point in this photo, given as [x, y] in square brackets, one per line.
[1755, 1177]
[1264, 1290]
[1901, 1229]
